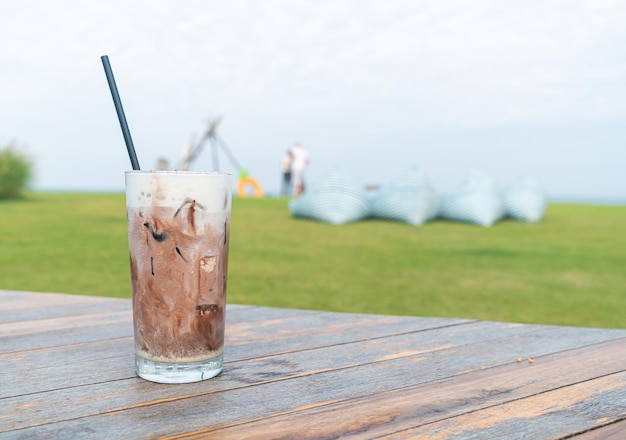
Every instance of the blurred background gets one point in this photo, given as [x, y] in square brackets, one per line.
[531, 88]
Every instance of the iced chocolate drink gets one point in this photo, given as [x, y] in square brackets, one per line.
[178, 226]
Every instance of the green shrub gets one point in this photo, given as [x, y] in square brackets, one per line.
[16, 170]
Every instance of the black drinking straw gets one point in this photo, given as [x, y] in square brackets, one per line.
[120, 112]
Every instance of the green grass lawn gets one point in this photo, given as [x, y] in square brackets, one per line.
[568, 269]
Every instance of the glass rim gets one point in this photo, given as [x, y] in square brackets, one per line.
[180, 172]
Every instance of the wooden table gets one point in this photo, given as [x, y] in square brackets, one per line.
[66, 368]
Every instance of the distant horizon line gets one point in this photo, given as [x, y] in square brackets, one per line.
[587, 200]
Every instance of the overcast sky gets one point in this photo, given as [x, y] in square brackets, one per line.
[507, 88]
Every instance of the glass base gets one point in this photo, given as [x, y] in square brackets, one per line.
[173, 372]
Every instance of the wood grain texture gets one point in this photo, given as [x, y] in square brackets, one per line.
[24, 306]
[176, 406]
[66, 365]
[613, 431]
[573, 408]
[308, 374]
[404, 412]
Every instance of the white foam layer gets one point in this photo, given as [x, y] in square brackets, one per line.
[171, 188]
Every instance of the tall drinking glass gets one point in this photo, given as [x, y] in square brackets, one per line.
[178, 234]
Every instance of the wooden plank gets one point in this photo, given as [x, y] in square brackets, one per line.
[75, 327]
[79, 365]
[411, 412]
[552, 414]
[289, 334]
[75, 351]
[24, 306]
[613, 431]
[26, 364]
[269, 372]
[238, 313]
[19, 300]
[171, 410]
[270, 336]
[288, 324]
[41, 333]
[64, 356]
[19, 306]
[47, 325]
[98, 313]
[67, 366]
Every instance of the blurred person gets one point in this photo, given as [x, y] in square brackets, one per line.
[285, 165]
[299, 162]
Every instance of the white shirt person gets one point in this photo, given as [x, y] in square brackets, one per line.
[300, 160]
